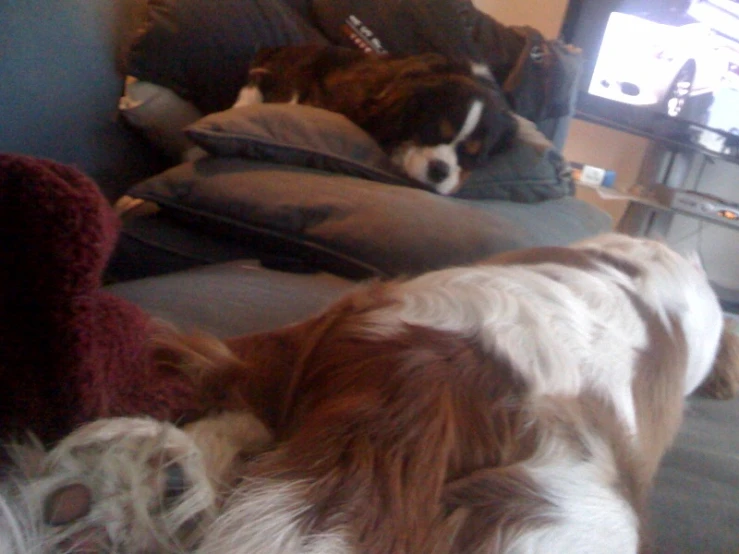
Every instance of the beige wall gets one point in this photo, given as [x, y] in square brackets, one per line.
[603, 147]
[545, 15]
[587, 143]
[607, 148]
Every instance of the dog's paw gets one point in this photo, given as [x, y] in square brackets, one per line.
[120, 485]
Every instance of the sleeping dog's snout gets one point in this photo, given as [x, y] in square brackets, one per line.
[437, 171]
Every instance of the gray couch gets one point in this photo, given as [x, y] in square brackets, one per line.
[326, 202]
[202, 263]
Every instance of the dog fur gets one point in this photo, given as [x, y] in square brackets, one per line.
[435, 117]
[520, 405]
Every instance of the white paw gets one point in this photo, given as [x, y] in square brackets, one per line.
[123, 485]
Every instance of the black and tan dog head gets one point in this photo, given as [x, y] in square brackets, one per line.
[435, 117]
[444, 125]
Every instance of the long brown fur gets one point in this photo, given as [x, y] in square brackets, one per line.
[424, 428]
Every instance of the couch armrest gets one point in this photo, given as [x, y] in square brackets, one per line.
[60, 88]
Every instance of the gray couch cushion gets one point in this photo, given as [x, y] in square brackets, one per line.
[234, 298]
[352, 226]
[343, 224]
[531, 171]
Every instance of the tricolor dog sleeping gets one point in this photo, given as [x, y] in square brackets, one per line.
[519, 405]
[435, 117]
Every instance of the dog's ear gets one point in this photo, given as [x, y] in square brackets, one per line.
[502, 132]
[388, 114]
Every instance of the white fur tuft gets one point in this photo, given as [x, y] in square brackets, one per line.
[415, 162]
[585, 506]
[481, 70]
[275, 513]
[248, 96]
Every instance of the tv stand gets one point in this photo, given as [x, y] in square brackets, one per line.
[651, 209]
[674, 180]
[678, 181]
[647, 215]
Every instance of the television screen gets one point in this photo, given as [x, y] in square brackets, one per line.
[662, 68]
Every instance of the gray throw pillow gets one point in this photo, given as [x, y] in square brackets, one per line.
[531, 171]
[296, 135]
[345, 225]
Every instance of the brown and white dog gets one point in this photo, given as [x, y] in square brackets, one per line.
[435, 117]
[519, 405]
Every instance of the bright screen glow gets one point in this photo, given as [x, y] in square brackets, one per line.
[681, 62]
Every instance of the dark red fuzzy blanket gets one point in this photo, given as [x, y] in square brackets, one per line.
[69, 351]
